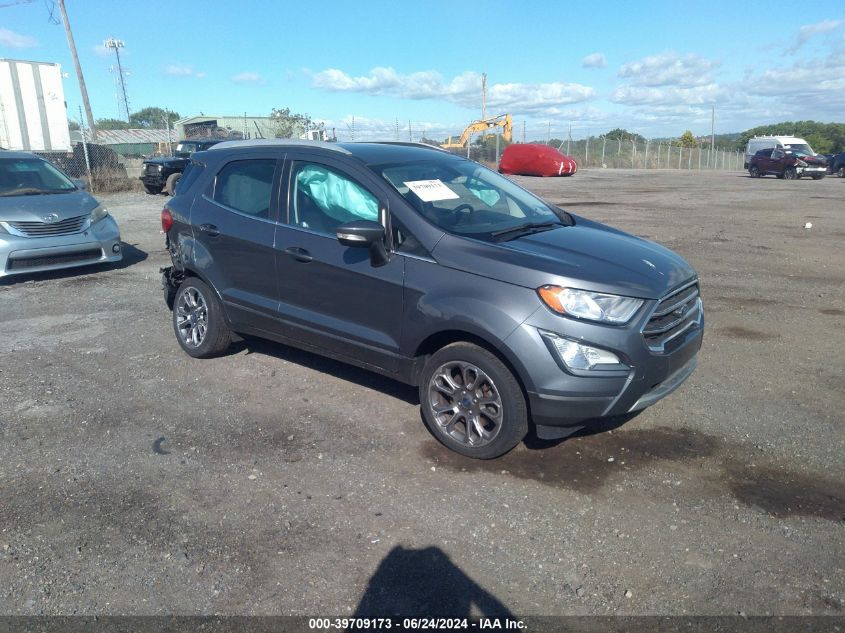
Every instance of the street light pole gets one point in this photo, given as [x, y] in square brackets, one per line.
[117, 45]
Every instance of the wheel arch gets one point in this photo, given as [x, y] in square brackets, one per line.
[442, 338]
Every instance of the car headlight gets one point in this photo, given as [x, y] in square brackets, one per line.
[98, 214]
[592, 306]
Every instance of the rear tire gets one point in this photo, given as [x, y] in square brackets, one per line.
[471, 402]
[198, 320]
[754, 171]
[841, 172]
[170, 186]
[152, 190]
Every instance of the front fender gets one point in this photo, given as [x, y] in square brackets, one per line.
[462, 302]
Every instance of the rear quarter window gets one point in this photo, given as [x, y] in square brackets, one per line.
[192, 172]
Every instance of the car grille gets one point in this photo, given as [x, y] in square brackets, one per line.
[54, 260]
[46, 229]
[674, 315]
[151, 170]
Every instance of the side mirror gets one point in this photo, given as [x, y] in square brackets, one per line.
[364, 234]
[80, 184]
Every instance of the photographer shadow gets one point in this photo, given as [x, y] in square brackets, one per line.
[425, 583]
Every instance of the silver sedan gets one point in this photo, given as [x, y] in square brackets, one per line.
[47, 222]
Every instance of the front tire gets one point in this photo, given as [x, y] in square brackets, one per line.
[152, 190]
[790, 173]
[198, 320]
[754, 171]
[471, 402]
[841, 172]
[170, 185]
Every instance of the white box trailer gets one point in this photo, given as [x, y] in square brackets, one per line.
[33, 115]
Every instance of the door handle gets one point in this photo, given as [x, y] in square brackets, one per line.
[210, 230]
[299, 254]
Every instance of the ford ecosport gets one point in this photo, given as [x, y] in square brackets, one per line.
[502, 309]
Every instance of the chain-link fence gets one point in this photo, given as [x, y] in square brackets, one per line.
[617, 153]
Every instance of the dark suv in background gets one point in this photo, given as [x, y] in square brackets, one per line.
[163, 172]
[501, 308]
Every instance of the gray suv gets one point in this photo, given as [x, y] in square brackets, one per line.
[503, 309]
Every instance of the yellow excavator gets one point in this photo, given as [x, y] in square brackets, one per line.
[503, 121]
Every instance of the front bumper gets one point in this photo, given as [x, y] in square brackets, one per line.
[561, 398]
[813, 170]
[96, 244]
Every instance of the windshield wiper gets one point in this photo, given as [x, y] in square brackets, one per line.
[525, 229]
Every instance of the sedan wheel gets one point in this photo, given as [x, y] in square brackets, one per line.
[471, 402]
[754, 171]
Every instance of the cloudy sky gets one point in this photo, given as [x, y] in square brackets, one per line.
[653, 67]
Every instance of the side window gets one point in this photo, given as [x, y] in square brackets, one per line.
[246, 186]
[778, 153]
[322, 199]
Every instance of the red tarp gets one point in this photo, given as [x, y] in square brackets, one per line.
[536, 160]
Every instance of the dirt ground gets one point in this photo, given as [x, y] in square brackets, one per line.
[136, 480]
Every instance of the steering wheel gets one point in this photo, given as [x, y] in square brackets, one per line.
[461, 212]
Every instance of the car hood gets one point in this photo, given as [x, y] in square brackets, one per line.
[34, 208]
[814, 160]
[587, 255]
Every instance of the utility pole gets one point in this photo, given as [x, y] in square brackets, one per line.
[82, 89]
[483, 96]
[123, 100]
[712, 132]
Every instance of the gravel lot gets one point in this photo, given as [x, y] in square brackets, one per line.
[136, 480]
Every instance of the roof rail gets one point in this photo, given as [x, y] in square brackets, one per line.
[410, 144]
[279, 142]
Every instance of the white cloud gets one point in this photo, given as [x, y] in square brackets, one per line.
[669, 95]
[594, 60]
[809, 31]
[817, 84]
[182, 70]
[463, 89]
[11, 39]
[248, 77]
[101, 51]
[670, 69]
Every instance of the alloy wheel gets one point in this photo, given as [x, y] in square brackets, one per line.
[192, 316]
[465, 403]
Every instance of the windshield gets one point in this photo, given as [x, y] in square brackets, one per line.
[464, 198]
[30, 177]
[800, 148]
[186, 149]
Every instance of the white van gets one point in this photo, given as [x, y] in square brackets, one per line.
[784, 142]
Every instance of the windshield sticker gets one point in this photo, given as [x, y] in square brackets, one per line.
[431, 190]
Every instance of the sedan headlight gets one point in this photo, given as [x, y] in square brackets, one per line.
[592, 306]
[98, 214]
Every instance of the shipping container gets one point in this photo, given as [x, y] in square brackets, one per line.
[33, 114]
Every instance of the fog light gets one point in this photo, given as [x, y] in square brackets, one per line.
[579, 356]
[115, 249]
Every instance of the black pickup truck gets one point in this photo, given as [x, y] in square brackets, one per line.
[163, 172]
